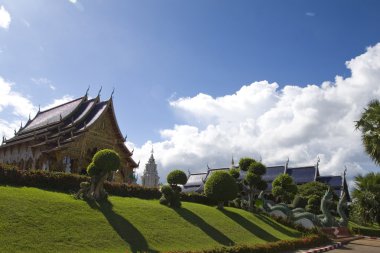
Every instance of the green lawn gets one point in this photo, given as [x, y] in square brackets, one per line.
[34, 220]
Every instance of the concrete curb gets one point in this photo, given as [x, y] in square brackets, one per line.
[325, 248]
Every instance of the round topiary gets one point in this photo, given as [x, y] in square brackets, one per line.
[167, 191]
[252, 179]
[176, 177]
[262, 185]
[234, 173]
[257, 168]
[245, 162]
[92, 170]
[106, 160]
[221, 186]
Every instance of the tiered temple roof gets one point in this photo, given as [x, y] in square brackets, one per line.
[54, 129]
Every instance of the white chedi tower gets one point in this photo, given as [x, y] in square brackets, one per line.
[150, 177]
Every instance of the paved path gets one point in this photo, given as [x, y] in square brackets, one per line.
[360, 246]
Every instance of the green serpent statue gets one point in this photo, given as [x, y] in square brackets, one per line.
[342, 204]
[327, 219]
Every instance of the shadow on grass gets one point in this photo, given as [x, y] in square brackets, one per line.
[212, 232]
[277, 226]
[249, 226]
[129, 233]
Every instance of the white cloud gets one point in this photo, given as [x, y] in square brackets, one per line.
[5, 18]
[43, 81]
[21, 106]
[73, 1]
[16, 107]
[262, 119]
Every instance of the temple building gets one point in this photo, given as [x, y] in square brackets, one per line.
[150, 177]
[300, 175]
[66, 137]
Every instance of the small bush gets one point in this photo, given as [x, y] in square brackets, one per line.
[106, 160]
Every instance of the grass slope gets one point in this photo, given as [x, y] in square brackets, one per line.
[34, 220]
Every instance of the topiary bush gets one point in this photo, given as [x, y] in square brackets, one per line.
[221, 187]
[176, 177]
[284, 188]
[245, 162]
[103, 162]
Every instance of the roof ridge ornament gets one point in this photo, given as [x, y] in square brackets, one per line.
[100, 90]
[88, 89]
[125, 137]
[39, 108]
[113, 91]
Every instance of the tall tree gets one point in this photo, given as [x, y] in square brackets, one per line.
[369, 124]
[253, 179]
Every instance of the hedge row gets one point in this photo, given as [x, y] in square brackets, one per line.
[69, 183]
[273, 247]
[366, 231]
[197, 198]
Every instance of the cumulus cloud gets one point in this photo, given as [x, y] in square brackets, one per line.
[5, 18]
[16, 107]
[265, 120]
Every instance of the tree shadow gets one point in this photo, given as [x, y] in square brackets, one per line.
[212, 232]
[276, 226]
[249, 226]
[129, 233]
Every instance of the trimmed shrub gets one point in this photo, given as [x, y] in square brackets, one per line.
[220, 187]
[299, 202]
[176, 177]
[257, 168]
[245, 162]
[106, 160]
[234, 173]
[170, 197]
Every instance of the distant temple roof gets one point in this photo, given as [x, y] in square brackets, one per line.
[300, 175]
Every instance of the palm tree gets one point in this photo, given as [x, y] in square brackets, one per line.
[369, 124]
[367, 197]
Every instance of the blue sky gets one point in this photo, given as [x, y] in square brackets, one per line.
[154, 52]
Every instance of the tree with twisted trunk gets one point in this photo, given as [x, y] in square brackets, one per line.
[103, 162]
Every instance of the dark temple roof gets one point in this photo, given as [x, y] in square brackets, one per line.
[302, 175]
[273, 172]
[52, 129]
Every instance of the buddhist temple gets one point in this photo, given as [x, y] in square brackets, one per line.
[66, 137]
[300, 175]
[150, 177]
